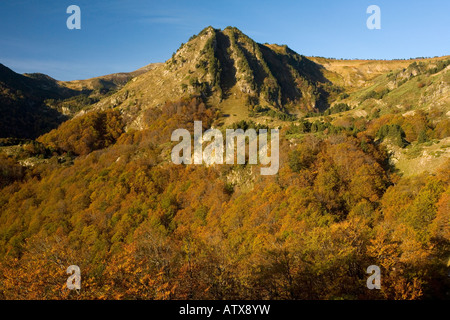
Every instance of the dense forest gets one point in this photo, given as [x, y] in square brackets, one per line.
[139, 227]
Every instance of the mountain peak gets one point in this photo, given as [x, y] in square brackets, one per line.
[226, 68]
[271, 75]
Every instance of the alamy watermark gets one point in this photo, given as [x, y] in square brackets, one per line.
[213, 153]
[374, 281]
[74, 281]
[74, 20]
[374, 20]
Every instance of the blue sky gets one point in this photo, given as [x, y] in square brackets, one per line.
[124, 35]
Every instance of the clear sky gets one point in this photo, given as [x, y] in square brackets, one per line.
[124, 35]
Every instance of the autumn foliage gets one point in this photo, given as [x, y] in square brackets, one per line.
[140, 227]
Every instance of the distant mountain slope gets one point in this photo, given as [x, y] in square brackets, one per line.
[395, 86]
[34, 103]
[357, 73]
[34, 85]
[23, 113]
[420, 85]
[108, 82]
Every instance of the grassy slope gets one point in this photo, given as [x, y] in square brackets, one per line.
[418, 158]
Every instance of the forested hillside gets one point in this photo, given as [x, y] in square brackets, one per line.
[140, 227]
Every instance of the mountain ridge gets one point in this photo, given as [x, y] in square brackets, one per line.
[238, 76]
